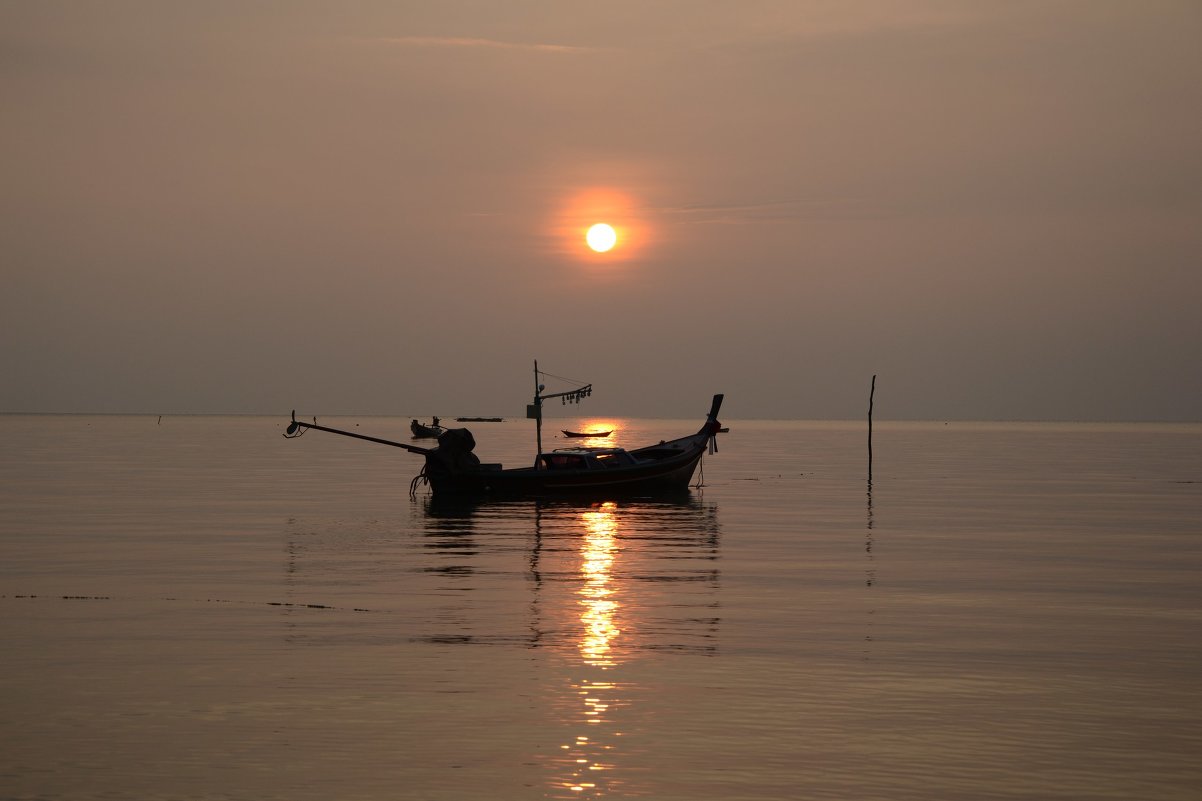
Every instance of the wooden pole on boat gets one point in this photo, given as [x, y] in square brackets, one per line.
[871, 392]
[294, 430]
[538, 414]
[535, 409]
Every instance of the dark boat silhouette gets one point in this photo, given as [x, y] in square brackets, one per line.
[452, 468]
[422, 431]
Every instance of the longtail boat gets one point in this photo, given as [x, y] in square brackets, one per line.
[453, 468]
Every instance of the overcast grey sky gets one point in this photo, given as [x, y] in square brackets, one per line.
[378, 207]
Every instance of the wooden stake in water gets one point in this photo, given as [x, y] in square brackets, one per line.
[871, 392]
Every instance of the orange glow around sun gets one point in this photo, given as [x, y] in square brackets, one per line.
[600, 225]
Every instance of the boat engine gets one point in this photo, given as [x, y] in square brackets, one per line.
[454, 452]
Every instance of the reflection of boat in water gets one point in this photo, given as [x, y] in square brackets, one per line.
[677, 515]
[591, 596]
[596, 591]
[582, 434]
[453, 468]
[585, 558]
[422, 431]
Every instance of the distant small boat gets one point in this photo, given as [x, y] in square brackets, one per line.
[480, 419]
[421, 431]
[585, 434]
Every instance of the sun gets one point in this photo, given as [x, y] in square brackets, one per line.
[602, 228]
[601, 237]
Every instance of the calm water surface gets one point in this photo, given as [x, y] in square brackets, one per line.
[200, 609]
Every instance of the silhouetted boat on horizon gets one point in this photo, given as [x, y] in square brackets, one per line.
[422, 431]
[582, 434]
[663, 468]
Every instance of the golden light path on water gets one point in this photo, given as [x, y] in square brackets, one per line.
[590, 757]
[598, 599]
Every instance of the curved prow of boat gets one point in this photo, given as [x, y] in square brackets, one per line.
[712, 417]
[712, 427]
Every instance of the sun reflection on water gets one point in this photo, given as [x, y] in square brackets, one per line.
[617, 569]
[598, 598]
[589, 758]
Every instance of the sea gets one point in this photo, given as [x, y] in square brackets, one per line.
[195, 607]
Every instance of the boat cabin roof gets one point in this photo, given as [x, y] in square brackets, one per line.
[585, 458]
[586, 451]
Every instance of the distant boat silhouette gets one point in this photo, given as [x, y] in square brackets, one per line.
[426, 432]
[584, 434]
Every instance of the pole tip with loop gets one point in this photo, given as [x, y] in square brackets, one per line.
[292, 427]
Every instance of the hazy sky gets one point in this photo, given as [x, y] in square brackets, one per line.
[379, 207]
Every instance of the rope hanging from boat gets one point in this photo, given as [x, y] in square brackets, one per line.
[420, 478]
[712, 447]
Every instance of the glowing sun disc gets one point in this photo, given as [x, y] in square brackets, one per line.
[601, 237]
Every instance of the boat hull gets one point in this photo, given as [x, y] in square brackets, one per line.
[425, 432]
[665, 475]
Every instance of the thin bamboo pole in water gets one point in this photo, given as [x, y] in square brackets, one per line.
[871, 393]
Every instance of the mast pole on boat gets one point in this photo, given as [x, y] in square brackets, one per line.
[536, 411]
